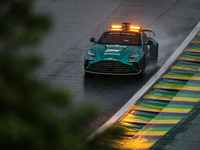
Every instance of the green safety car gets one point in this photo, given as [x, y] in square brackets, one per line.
[123, 50]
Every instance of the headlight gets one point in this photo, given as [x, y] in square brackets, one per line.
[133, 57]
[91, 54]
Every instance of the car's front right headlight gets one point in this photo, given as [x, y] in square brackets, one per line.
[133, 57]
[91, 54]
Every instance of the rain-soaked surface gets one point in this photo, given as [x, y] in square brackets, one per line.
[162, 112]
[78, 20]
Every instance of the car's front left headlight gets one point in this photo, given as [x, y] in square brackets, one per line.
[91, 54]
[133, 57]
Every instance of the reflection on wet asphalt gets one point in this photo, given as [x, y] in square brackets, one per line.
[110, 90]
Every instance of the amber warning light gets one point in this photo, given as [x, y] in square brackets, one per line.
[116, 27]
[125, 27]
[135, 28]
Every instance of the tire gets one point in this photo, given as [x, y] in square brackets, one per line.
[156, 55]
[143, 67]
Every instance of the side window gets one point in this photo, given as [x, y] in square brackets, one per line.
[150, 34]
[144, 37]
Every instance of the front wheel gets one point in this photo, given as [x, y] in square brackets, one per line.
[156, 55]
[143, 67]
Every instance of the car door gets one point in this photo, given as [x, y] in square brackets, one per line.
[146, 48]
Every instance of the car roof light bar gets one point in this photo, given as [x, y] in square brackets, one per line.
[126, 27]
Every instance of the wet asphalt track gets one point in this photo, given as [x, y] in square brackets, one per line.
[78, 20]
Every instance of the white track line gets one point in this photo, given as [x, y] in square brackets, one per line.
[149, 84]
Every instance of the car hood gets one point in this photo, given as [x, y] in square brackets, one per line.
[114, 52]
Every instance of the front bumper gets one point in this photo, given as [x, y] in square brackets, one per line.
[112, 67]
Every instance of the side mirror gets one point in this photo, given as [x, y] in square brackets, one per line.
[92, 39]
[149, 42]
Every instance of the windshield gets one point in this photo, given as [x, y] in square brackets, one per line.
[121, 37]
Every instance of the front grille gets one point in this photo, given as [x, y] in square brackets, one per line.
[110, 66]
